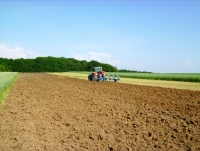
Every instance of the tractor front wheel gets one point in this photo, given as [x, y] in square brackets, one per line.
[104, 77]
[94, 77]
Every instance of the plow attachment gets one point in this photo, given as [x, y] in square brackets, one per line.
[113, 77]
[109, 77]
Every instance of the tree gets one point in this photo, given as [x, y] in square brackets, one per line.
[51, 64]
[3, 68]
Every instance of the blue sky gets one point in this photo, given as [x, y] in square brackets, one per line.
[157, 36]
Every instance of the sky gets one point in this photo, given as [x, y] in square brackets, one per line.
[148, 35]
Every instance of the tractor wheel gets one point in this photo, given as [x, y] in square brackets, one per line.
[94, 77]
[89, 77]
[104, 77]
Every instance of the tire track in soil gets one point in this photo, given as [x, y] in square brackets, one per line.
[48, 112]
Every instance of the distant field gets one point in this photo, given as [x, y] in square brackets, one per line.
[6, 81]
[187, 77]
[161, 83]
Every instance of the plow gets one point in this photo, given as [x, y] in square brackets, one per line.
[100, 75]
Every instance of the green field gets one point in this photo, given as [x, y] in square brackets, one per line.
[186, 77]
[6, 81]
[149, 82]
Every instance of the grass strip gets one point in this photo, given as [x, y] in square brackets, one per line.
[7, 79]
[184, 77]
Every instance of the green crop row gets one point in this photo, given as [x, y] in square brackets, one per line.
[6, 81]
[186, 77]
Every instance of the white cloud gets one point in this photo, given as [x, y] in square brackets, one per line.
[16, 52]
[32, 54]
[80, 57]
[189, 63]
[98, 56]
[12, 52]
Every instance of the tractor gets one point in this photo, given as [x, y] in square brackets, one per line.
[100, 75]
[97, 75]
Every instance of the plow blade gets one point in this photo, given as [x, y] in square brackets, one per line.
[113, 77]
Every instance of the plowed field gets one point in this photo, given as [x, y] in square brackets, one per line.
[49, 112]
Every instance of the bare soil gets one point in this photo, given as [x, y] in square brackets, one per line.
[49, 112]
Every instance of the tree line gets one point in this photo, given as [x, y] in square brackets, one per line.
[51, 64]
[132, 71]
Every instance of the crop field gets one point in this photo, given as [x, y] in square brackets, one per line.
[186, 77]
[6, 81]
[51, 112]
[148, 82]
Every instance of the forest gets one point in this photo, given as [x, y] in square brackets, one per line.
[51, 64]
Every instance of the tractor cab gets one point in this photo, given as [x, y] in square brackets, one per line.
[97, 69]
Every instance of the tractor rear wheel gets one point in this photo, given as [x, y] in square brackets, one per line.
[104, 77]
[90, 77]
